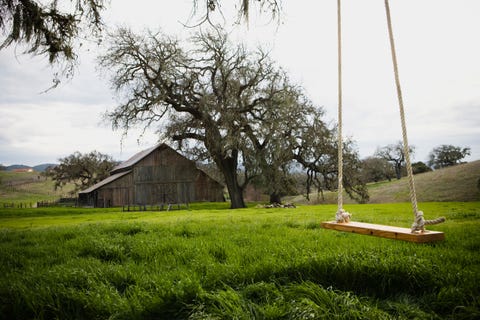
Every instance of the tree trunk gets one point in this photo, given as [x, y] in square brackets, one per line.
[236, 197]
[398, 170]
[229, 170]
[275, 198]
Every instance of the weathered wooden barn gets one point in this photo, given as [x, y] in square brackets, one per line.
[155, 176]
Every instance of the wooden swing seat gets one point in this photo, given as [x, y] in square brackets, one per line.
[383, 231]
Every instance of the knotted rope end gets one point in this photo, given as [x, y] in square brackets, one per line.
[342, 216]
[420, 222]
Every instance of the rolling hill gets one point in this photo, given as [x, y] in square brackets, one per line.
[18, 187]
[457, 183]
[39, 168]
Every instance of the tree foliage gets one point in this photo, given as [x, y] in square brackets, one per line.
[394, 154]
[318, 153]
[50, 28]
[300, 136]
[54, 28]
[447, 155]
[84, 170]
[420, 167]
[204, 9]
[271, 142]
[377, 169]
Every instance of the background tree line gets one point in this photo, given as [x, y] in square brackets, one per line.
[84, 170]
[388, 162]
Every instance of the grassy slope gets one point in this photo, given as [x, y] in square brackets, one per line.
[216, 263]
[458, 183]
[28, 187]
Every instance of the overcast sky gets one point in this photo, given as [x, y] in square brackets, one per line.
[438, 51]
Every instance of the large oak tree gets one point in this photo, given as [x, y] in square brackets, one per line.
[233, 104]
[212, 92]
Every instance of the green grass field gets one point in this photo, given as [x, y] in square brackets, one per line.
[28, 188]
[211, 262]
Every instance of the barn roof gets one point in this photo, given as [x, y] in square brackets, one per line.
[106, 181]
[127, 165]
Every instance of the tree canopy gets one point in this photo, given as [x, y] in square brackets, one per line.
[57, 29]
[420, 167]
[447, 155]
[394, 154]
[376, 169]
[203, 9]
[83, 170]
[52, 27]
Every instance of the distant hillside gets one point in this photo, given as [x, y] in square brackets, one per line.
[16, 167]
[43, 167]
[39, 168]
[457, 183]
[29, 187]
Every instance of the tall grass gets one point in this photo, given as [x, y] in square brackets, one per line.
[235, 264]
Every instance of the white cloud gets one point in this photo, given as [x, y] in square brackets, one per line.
[48, 132]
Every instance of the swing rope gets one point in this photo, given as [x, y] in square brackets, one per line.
[406, 149]
[342, 216]
[419, 221]
[340, 142]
